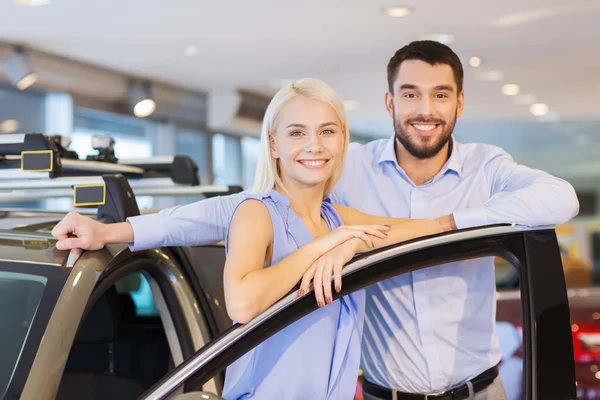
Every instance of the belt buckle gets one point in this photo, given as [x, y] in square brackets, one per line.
[429, 396]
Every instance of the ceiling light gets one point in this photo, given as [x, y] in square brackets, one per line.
[539, 109]
[140, 97]
[32, 3]
[350, 105]
[191, 51]
[398, 12]
[9, 126]
[475, 62]
[444, 38]
[510, 89]
[18, 70]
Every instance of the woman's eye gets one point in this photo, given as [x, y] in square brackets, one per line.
[328, 131]
[295, 133]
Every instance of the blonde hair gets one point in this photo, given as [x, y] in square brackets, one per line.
[267, 171]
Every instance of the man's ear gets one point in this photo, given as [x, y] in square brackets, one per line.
[460, 104]
[389, 103]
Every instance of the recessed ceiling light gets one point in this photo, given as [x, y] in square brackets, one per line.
[539, 109]
[444, 38]
[510, 89]
[144, 108]
[350, 105]
[398, 12]
[475, 62]
[191, 51]
[9, 126]
[32, 3]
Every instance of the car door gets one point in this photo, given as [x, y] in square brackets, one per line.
[548, 363]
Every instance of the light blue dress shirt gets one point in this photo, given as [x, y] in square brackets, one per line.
[430, 329]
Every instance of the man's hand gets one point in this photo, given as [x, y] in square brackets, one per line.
[447, 223]
[88, 234]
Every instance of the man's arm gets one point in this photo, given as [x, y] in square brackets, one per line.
[520, 195]
[200, 223]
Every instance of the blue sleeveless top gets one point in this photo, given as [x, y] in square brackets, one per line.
[316, 357]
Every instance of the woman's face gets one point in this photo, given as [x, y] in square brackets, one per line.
[308, 141]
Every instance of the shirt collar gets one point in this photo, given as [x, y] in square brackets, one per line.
[454, 163]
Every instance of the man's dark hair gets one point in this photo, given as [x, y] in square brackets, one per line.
[428, 51]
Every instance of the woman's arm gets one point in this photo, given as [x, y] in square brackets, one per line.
[401, 229]
[250, 288]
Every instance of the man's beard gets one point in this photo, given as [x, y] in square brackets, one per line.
[419, 146]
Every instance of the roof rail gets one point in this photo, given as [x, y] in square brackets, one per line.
[31, 152]
[32, 169]
[22, 155]
[110, 194]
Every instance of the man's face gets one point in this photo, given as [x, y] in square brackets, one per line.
[424, 106]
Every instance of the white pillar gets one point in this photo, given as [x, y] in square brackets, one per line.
[58, 114]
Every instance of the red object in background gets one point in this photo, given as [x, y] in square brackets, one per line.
[359, 393]
[586, 342]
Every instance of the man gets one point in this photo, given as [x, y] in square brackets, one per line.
[432, 330]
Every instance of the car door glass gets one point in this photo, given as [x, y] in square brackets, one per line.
[547, 337]
[137, 287]
[122, 337]
[20, 296]
[466, 286]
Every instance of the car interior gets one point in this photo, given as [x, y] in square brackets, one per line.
[120, 350]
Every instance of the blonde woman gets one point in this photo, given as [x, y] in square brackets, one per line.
[287, 230]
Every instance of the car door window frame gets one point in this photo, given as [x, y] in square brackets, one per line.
[549, 368]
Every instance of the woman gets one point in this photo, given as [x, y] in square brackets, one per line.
[286, 231]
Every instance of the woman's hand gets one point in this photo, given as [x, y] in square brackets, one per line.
[344, 233]
[328, 265]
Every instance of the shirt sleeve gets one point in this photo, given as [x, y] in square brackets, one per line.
[520, 195]
[196, 224]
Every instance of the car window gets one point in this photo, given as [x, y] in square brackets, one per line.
[207, 263]
[137, 287]
[20, 296]
[121, 344]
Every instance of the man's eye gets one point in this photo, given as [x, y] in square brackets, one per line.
[410, 95]
[441, 95]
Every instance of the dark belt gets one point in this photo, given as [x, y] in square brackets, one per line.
[480, 382]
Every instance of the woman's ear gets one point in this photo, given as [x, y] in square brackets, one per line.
[272, 147]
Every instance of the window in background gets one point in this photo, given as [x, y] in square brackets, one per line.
[21, 112]
[133, 138]
[250, 153]
[196, 145]
[227, 160]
